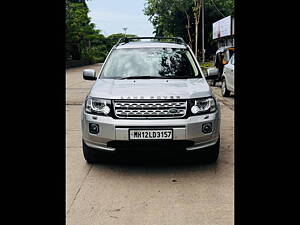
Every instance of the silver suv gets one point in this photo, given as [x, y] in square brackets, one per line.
[149, 93]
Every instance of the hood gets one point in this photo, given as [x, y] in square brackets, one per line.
[151, 89]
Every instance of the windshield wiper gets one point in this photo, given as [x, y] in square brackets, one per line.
[141, 77]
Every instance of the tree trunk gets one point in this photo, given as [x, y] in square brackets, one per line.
[188, 29]
[197, 10]
[196, 39]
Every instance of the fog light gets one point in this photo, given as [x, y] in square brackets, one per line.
[94, 128]
[207, 128]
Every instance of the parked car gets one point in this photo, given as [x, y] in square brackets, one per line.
[150, 93]
[228, 78]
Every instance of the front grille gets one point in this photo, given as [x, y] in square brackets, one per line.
[150, 109]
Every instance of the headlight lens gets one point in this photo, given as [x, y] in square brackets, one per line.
[204, 105]
[97, 106]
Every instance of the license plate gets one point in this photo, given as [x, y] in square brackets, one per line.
[150, 134]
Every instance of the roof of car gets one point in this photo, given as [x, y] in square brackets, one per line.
[149, 44]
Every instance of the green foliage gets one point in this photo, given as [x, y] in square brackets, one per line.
[79, 30]
[111, 40]
[170, 17]
[212, 15]
[94, 54]
[207, 64]
[83, 40]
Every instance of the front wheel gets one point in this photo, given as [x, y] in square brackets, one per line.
[225, 91]
[88, 154]
[213, 153]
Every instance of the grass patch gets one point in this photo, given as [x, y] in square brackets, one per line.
[207, 64]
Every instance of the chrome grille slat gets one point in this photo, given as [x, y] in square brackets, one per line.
[130, 109]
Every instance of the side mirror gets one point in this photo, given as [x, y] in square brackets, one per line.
[89, 74]
[212, 73]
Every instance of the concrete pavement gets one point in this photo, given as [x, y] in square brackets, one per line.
[129, 194]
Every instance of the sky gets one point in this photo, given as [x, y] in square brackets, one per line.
[110, 16]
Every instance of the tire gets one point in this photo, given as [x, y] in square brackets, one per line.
[212, 153]
[224, 90]
[88, 154]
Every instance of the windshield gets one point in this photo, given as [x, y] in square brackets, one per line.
[150, 63]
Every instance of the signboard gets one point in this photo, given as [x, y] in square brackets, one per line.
[222, 28]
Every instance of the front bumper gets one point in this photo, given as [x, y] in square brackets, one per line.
[116, 130]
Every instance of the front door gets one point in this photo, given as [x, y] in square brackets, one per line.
[230, 74]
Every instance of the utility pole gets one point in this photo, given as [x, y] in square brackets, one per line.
[196, 11]
[203, 49]
[125, 28]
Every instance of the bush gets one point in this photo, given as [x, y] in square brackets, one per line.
[94, 54]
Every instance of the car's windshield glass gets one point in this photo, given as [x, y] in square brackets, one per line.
[150, 63]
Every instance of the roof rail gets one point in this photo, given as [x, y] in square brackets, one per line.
[177, 40]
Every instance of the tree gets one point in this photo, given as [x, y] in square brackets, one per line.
[174, 18]
[198, 4]
[82, 37]
[83, 40]
[78, 27]
[111, 40]
[170, 17]
[214, 11]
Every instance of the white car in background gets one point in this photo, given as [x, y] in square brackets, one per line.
[228, 78]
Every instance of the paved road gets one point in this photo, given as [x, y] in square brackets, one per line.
[150, 194]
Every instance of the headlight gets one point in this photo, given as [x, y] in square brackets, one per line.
[97, 106]
[204, 105]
